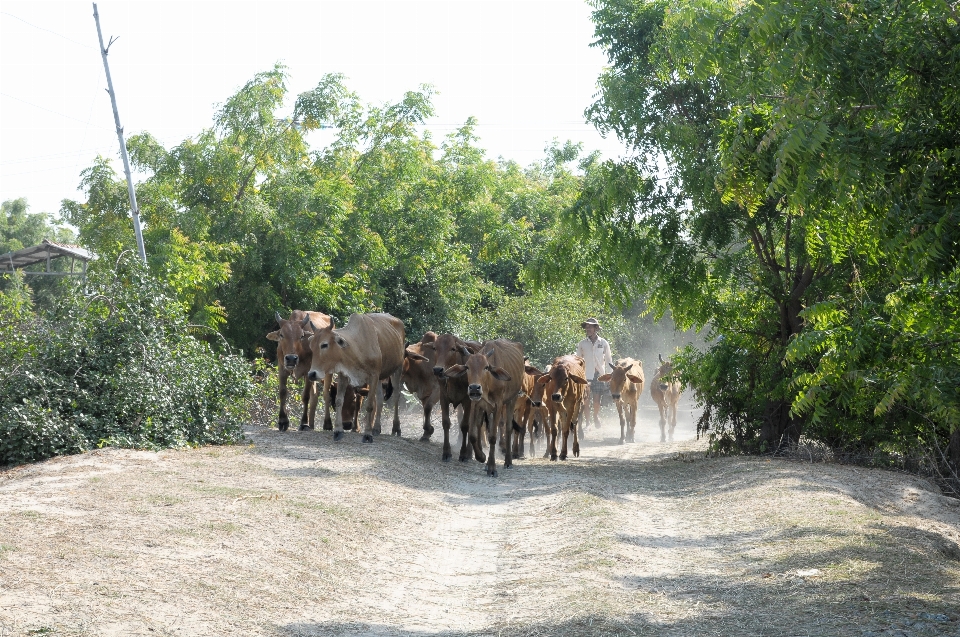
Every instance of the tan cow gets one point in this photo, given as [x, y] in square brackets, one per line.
[524, 411]
[626, 385]
[369, 348]
[666, 393]
[568, 386]
[451, 350]
[420, 380]
[493, 383]
[539, 421]
[294, 359]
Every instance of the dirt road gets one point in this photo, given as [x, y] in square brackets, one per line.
[293, 534]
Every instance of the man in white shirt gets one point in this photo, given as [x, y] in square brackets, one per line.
[595, 352]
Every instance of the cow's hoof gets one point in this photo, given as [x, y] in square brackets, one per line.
[367, 438]
[576, 453]
[282, 427]
[492, 472]
[395, 432]
[328, 426]
[306, 428]
[553, 458]
[464, 458]
[447, 456]
[337, 435]
[427, 432]
[563, 456]
[347, 425]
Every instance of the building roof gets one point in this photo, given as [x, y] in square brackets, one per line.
[40, 253]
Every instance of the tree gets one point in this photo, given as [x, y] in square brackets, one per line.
[785, 155]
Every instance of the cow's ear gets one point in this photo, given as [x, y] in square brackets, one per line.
[499, 373]
[455, 371]
[543, 380]
[533, 371]
[428, 346]
[580, 380]
[605, 378]
[413, 356]
[274, 336]
[342, 342]
[634, 378]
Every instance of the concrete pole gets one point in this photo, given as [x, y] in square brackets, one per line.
[123, 145]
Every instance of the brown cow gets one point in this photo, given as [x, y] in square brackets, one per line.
[568, 386]
[626, 385]
[369, 348]
[523, 412]
[666, 393]
[450, 350]
[494, 377]
[540, 414]
[294, 359]
[419, 378]
[352, 402]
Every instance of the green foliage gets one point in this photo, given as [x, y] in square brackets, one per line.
[113, 364]
[794, 187]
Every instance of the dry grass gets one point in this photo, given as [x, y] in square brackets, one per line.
[292, 534]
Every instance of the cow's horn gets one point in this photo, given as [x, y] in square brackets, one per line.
[660, 356]
[306, 321]
[489, 354]
[279, 318]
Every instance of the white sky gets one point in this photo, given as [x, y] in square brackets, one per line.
[524, 69]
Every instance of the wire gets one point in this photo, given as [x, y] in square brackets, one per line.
[52, 111]
[88, 46]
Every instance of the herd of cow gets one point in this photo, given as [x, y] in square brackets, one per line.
[501, 396]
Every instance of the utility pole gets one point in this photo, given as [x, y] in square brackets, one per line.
[123, 144]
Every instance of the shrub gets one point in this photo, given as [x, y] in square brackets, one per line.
[113, 363]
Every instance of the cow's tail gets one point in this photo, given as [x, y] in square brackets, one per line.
[388, 390]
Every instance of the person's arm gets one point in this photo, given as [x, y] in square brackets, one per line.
[607, 356]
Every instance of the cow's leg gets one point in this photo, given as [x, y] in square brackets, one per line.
[552, 436]
[428, 404]
[374, 407]
[283, 421]
[673, 419]
[395, 378]
[307, 399]
[622, 421]
[445, 423]
[327, 382]
[466, 423]
[631, 421]
[565, 432]
[506, 415]
[338, 408]
[493, 428]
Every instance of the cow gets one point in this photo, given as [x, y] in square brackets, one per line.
[352, 402]
[539, 420]
[665, 391]
[523, 412]
[368, 349]
[567, 389]
[451, 350]
[626, 386]
[494, 377]
[419, 378]
[294, 359]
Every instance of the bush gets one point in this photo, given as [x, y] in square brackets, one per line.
[113, 363]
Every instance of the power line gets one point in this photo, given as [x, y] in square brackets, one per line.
[44, 108]
[88, 46]
[53, 156]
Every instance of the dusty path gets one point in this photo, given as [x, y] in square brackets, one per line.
[295, 535]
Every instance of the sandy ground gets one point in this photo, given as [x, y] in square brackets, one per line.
[293, 534]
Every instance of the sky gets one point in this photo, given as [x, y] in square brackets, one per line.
[524, 69]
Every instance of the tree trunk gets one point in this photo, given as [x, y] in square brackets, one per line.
[954, 450]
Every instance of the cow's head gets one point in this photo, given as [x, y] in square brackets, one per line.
[417, 355]
[664, 371]
[562, 378]
[293, 341]
[618, 378]
[449, 351]
[481, 374]
[326, 348]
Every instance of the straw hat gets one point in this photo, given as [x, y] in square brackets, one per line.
[592, 321]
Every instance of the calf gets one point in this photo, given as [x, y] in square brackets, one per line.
[568, 386]
[493, 384]
[523, 412]
[626, 385]
[294, 359]
[420, 379]
[450, 351]
[666, 393]
[368, 349]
